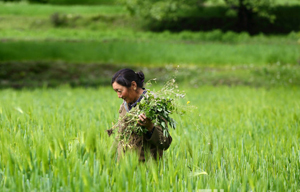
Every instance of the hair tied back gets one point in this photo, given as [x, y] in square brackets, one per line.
[125, 77]
[141, 76]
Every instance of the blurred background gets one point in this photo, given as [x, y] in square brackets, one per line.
[47, 43]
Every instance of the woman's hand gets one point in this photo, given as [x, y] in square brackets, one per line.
[146, 122]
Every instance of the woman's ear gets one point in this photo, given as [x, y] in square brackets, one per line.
[133, 85]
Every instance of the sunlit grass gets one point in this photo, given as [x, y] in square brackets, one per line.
[243, 138]
[26, 9]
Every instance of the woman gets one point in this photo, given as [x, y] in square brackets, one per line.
[129, 87]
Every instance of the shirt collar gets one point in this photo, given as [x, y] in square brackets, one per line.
[130, 106]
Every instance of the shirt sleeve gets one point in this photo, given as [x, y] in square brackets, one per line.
[157, 138]
[149, 133]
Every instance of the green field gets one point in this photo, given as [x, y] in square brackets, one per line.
[149, 53]
[245, 139]
[242, 134]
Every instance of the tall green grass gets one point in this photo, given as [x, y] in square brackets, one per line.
[245, 139]
[149, 52]
[97, 31]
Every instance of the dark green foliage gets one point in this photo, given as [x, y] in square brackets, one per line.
[63, 20]
[209, 18]
[38, 1]
[52, 74]
[238, 15]
[58, 20]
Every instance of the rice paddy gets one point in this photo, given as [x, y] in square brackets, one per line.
[237, 139]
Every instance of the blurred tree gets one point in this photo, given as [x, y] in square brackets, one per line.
[245, 10]
[159, 9]
[169, 9]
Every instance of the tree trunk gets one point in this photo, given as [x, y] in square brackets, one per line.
[245, 17]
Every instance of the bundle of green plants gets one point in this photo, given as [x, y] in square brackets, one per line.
[157, 106]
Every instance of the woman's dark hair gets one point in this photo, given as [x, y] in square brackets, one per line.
[124, 77]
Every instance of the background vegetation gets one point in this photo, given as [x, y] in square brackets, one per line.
[238, 15]
[106, 35]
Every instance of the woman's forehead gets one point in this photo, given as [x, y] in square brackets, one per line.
[116, 85]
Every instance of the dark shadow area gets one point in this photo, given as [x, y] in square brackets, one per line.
[37, 74]
[211, 18]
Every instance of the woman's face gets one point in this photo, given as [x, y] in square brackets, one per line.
[128, 94]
